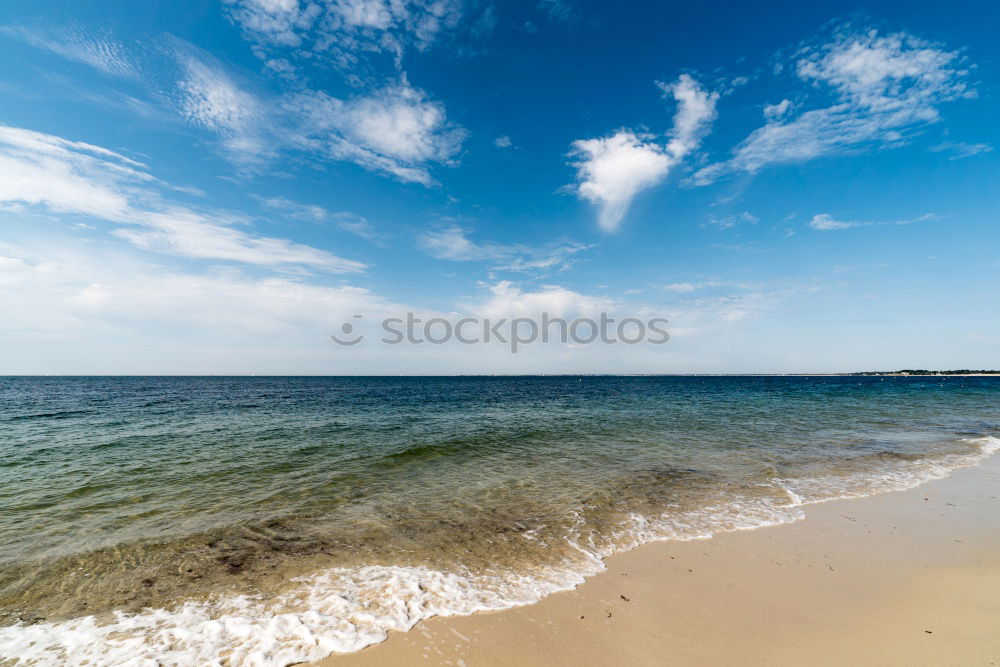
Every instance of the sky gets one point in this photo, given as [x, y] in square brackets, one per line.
[217, 187]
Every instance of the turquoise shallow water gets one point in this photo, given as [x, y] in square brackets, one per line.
[147, 517]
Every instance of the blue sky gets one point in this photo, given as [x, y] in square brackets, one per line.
[214, 187]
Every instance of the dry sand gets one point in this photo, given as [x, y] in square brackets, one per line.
[904, 578]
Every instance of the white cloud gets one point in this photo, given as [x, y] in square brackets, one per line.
[373, 14]
[611, 171]
[777, 111]
[86, 307]
[400, 122]
[826, 222]
[208, 96]
[895, 72]
[342, 30]
[502, 142]
[397, 130]
[960, 149]
[65, 176]
[100, 51]
[105, 307]
[884, 85]
[178, 78]
[704, 314]
[95, 309]
[453, 244]
[78, 178]
[730, 221]
[556, 9]
[691, 287]
[701, 315]
[392, 128]
[691, 316]
[346, 221]
[694, 116]
[681, 287]
[275, 21]
[505, 299]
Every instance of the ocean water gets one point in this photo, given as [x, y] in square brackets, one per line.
[265, 521]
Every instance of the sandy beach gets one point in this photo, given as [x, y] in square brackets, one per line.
[903, 578]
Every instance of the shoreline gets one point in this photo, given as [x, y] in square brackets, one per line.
[907, 576]
[658, 589]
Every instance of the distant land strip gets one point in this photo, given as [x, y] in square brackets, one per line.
[923, 371]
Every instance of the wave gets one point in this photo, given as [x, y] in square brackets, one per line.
[341, 610]
[60, 414]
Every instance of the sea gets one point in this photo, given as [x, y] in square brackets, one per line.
[275, 520]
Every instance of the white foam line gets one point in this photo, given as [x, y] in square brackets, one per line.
[345, 609]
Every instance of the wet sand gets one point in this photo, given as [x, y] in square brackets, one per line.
[903, 578]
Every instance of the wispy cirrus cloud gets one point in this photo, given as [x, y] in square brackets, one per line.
[62, 176]
[884, 86]
[344, 220]
[454, 244]
[612, 170]
[826, 222]
[178, 79]
[99, 50]
[395, 129]
[702, 314]
[559, 10]
[687, 288]
[960, 149]
[731, 221]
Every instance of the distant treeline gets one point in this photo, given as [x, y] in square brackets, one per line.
[924, 371]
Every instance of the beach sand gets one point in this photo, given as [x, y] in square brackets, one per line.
[902, 578]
